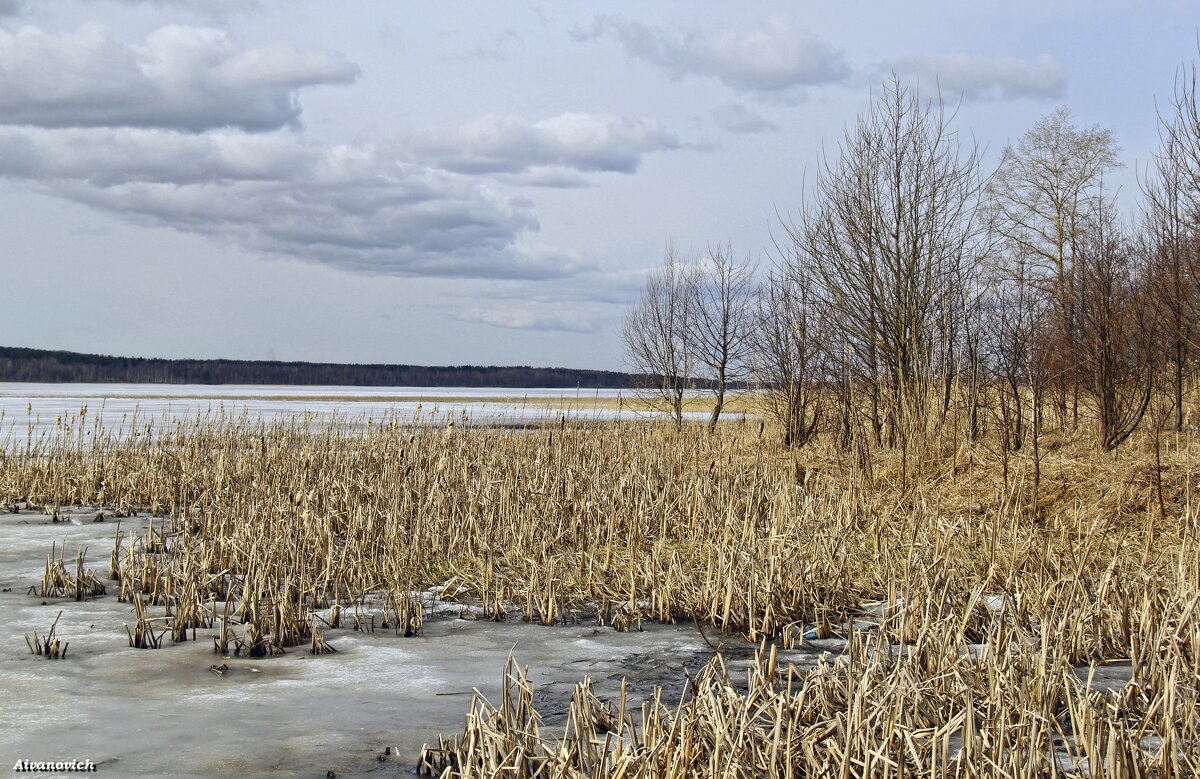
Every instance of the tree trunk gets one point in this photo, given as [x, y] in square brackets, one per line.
[719, 401]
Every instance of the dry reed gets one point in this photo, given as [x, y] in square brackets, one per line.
[48, 646]
[989, 612]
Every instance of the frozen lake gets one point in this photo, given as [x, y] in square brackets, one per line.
[163, 713]
[35, 409]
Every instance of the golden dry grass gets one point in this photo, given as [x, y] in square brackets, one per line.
[273, 535]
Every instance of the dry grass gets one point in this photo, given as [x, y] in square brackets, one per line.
[274, 535]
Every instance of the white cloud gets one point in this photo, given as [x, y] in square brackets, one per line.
[977, 77]
[351, 207]
[184, 78]
[736, 118]
[513, 145]
[774, 58]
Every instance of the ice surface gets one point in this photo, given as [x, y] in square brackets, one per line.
[162, 712]
[30, 408]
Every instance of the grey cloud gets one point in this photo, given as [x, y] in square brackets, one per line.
[350, 207]
[111, 157]
[513, 145]
[987, 78]
[531, 316]
[613, 286]
[12, 7]
[601, 289]
[736, 118]
[184, 78]
[777, 57]
[545, 177]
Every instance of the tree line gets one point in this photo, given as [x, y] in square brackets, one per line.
[37, 365]
[916, 291]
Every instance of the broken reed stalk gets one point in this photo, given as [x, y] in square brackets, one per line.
[319, 645]
[143, 636]
[48, 646]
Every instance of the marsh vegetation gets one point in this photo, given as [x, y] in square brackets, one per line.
[965, 617]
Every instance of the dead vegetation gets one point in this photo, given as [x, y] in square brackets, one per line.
[972, 615]
[48, 646]
[57, 582]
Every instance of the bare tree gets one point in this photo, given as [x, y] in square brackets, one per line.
[658, 334]
[1010, 321]
[967, 371]
[1180, 126]
[722, 319]
[1172, 216]
[1018, 336]
[1044, 193]
[1117, 328]
[788, 359]
[1168, 241]
[891, 238]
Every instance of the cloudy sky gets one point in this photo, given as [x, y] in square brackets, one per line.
[449, 183]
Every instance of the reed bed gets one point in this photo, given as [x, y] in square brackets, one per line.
[972, 617]
[929, 711]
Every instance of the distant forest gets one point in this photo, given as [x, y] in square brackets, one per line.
[38, 365]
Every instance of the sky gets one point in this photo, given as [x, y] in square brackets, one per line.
[475, 182]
